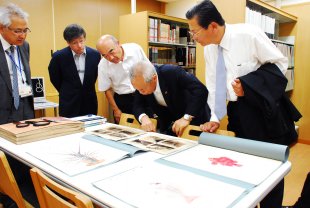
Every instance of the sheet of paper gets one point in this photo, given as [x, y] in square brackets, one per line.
[160, 143]
[74, 155]
[244, 167]
[116, 132]
[157, 185]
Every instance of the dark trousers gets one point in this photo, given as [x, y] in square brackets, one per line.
[125, 102]
[25, 110]
[304, 199]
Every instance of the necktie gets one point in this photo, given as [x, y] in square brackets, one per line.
[220, 88]
[15, 79]
[78, 67]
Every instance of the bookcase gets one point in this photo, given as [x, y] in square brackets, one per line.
[270, 20]
[164, 39]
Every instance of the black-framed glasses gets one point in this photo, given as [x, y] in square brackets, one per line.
[20, 31]
[23, 124]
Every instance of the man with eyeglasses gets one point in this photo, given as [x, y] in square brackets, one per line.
[16, 99]
[73, 72]
[113, 74]
[244, 67]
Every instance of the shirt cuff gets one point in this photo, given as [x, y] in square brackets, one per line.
[214, 118]
[140, 117]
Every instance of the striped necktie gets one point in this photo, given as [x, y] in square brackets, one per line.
[220, 88]
[15, 78]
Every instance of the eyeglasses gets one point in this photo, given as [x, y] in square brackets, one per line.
[20, 31]
[192, 34]
[43, 122]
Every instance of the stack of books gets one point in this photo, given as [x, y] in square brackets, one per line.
[39, 129]
[90, 120]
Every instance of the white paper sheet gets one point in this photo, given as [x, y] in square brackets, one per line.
[157, 185]
[74, 155]
[236, 165]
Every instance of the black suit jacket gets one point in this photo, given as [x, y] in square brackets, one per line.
[183, 93]
[264, 113]
[75, 98]
[6, 101]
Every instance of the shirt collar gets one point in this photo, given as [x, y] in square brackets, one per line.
[225, 42]
[5, 44]
[81, 54]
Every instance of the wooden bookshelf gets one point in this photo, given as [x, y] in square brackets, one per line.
[137, 28]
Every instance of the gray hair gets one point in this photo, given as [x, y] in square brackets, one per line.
[10, 10]
[107, 37]
[144, 68]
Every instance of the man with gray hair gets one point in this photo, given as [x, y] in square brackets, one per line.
[113, 78]
[177, 97]
[16, 101]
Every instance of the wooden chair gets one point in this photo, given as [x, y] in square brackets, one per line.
[130, 121]
[8, 185]
[192, 132]
[51, 194]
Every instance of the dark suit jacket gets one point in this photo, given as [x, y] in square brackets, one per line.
[6, 101]
[264, 113]
[183, 93]
[75, 98]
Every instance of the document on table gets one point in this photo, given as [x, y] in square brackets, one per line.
[156, 185]
[74, 155]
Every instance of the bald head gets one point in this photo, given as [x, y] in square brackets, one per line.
[109, 47]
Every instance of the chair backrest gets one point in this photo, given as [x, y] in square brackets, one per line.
[192, 132]
[130, 121]
[8, 185]
[51, 194]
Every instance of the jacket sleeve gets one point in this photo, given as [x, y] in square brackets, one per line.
[55, 72]
[196, 92]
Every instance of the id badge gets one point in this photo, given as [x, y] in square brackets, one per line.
[25, 91]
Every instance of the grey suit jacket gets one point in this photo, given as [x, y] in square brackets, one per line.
[6, 97]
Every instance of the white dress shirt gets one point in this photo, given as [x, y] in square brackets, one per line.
[116, 76]
[245, 49]
[21, 76]
[80, 63]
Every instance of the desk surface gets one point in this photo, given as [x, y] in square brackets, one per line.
[83, 182]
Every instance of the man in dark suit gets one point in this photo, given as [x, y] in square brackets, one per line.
[16, 101]
[177, 97]
[73, 72]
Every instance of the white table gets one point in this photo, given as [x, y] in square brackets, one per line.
[44, 105]
[83, 182]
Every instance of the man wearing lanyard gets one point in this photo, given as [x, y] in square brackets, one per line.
[16, 101]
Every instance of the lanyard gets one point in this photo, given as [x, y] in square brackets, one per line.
[19, 64]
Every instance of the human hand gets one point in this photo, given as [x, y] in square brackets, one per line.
[117, 115]
[179, 126]
[238, 89]
[146, 124]
[210, 126]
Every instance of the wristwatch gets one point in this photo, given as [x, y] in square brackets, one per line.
[188, 117]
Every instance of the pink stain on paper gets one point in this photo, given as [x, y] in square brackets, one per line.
[224, 161]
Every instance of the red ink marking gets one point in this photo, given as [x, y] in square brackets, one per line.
[224, 161]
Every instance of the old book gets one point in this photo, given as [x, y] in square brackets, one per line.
[39, 129]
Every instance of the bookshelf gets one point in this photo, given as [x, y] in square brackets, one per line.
[164, 38]
[270, 19]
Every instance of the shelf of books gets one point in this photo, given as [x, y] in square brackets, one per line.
[165, 39]
[270, 19]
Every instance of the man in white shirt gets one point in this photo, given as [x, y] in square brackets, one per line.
[113, 73]
[234, 53]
